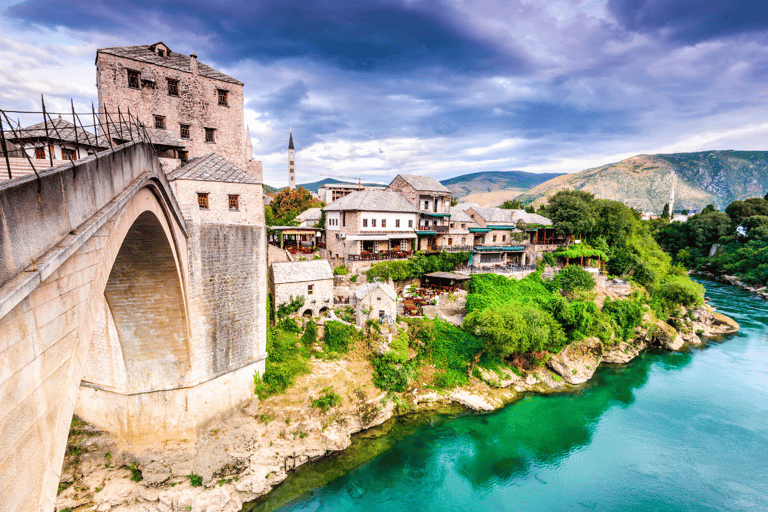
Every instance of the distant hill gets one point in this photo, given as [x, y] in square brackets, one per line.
[645, 181]
[498, 183]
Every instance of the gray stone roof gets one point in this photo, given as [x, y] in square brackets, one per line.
[165, 138]
[310, 214]
[373, 200]
[466, 206]
[509, 217]
[173, 60]
[364, 290]
[301, 271]
[212, 167]
[458, 215]
[424, 183]
[58, 130]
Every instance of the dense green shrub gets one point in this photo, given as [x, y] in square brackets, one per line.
[288, 324]
[339, 337]
[416, 266]
[310, 334]
[392, 375]
[572, 278]
[285, 361]
[681, 290]
[627, 313]
[341, 270]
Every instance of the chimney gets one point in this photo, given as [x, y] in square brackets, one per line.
[193, 63]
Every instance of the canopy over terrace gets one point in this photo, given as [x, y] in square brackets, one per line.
[298, 237]
[444, 279]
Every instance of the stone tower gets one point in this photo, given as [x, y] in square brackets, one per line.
[291, 163]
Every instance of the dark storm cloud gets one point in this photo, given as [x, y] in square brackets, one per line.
[690, 21]
[359, 35]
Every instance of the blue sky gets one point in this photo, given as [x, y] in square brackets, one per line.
[376, 87]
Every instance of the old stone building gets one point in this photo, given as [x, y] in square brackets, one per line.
[330, 192]
[222, 207]
[433, 200]
[377, 301]
[312, 280]
[502, 236]
[173, 92]
[370, 222]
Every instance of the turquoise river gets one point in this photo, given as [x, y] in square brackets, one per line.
[668, 432]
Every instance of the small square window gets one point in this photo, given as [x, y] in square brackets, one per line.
[383, 223]
[161, 52]
[410, 223]
[373, 223]
[310, 289]
[365, 223]
[202, 200]
[494, 238]
[40, 153]
[183, 156]
[397, 223]
[450, 241]
[234, 202]
[68, 154]
[223, 98]
[173, 87]
[210, 135]
[503, 238]
[134, 79]
[160, 122]
[184, 131]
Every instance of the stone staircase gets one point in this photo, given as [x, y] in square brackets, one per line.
[20, 166]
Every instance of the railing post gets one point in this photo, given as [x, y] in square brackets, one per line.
[5, 149]
[47, 138]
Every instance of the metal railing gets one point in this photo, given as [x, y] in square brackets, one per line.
[382, 256]
[500, 269]
[97, 133]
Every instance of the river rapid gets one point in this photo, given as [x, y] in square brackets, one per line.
[684, 431]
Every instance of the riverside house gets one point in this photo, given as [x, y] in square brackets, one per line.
[433, 200]
[371, 224]
[312, 280]
[499, 239]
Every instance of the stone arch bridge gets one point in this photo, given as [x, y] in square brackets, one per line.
[96, 317]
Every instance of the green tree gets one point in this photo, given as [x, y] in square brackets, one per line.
[740, 210]
[511, 204]
[615, 222]
[454, 201]
[573, 278]
[571, 212]
[665, 212]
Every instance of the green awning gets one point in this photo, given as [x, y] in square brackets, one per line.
[420, 233]
[436, 214]
[499, 248]
[479, 230]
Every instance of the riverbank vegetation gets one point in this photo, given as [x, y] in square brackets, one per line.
[733, 242]
[416, 266]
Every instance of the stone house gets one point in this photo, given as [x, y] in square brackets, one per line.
[376, 301]
[226, 250]
[501, 238]
[312, 280]
[370, 222]
[63, 141]
[309, 217]
[433, 200]
[459, 235]
[330, 192]
[174, 93]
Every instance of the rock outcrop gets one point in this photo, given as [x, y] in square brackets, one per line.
[577, 362]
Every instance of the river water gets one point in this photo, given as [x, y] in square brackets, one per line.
[670, 431]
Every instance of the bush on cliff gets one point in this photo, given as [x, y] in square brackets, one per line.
[339, 336]
[626, 313]
[285, 361]
[571, 279]
[392, 370]
[417, 266]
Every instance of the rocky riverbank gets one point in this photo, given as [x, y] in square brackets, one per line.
[735, 281]
[244, 457]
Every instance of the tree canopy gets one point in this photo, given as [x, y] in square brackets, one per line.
[287, 204]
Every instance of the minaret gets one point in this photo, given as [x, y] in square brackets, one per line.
[248, 145]
[291, 163]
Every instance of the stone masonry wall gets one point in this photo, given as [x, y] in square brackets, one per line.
[322, 296]
[375, 301]
[196, 105]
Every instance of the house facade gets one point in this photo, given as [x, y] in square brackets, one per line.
[186, 106]
[330, 192]
[433, 201]
[370, 222]
[501, 237]
[375, 301]
[312, 280]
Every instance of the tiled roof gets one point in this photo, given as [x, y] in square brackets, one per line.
[59, 130]
[364, 290]
[509, 217]
[458, 215]
[158, 137]
[212, 167]
[173, 60]
[301, 271]
[466, 206]
[373, 200]
[424, 183]
[310, 214]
